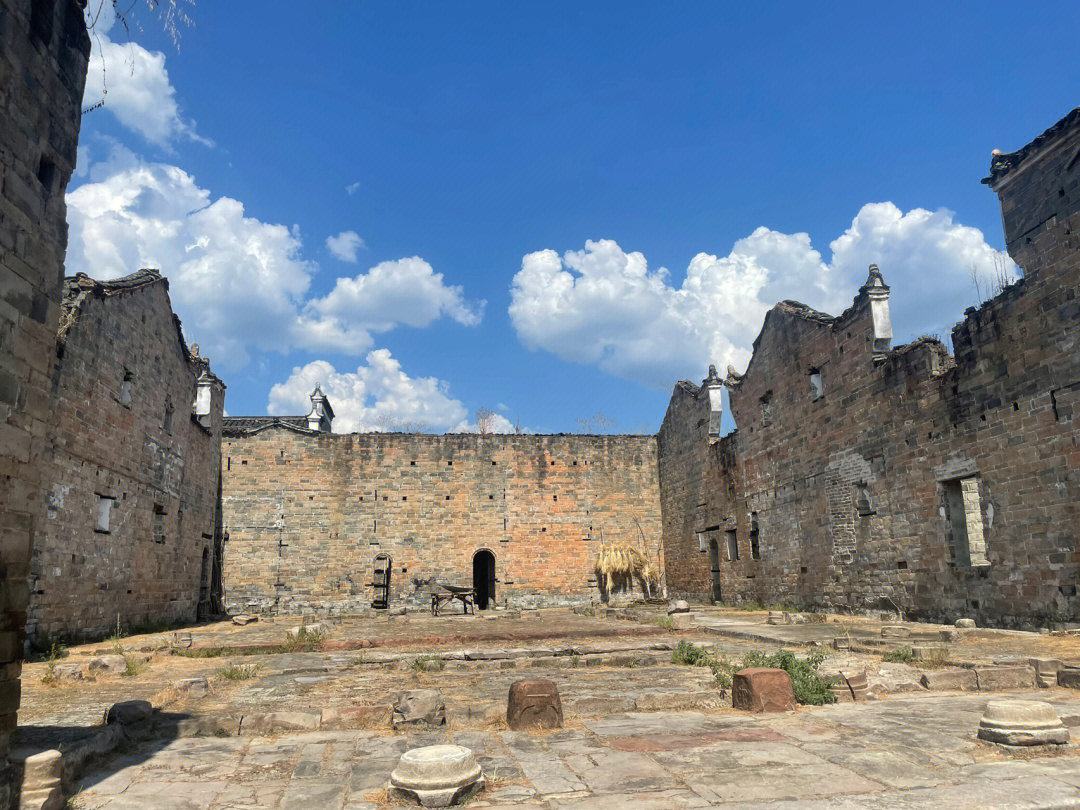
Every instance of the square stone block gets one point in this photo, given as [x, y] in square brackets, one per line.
[762, 689]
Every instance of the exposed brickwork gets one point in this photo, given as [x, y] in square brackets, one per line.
[43, 53]
[308, 513]
[947, 486]
[125, 438]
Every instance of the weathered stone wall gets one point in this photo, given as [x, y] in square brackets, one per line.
[946, 486]
[125, 439]
[43, 54]
[308, 513]
[697, 497]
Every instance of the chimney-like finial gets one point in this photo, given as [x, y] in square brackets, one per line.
[321, 416]
[877, 291]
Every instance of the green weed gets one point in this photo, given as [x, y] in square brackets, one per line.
[690, 654]
[238, 672]
[809, 687]
[427, 663]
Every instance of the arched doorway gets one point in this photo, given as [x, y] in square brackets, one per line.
[483, 578]
[714, 565]
[380, 581]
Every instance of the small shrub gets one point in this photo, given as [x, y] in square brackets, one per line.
[810, 688]
[666, 622]
[690, 654]
[902, 655]
[575, 659]
[305, 640]
[56, 652]
[238, 672]
[935, 657]
[132, 666]
[427, 663]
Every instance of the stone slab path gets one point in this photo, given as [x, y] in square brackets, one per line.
[900, 754]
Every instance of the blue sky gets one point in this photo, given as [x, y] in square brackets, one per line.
[503, 184]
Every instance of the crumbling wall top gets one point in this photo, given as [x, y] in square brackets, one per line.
[1003, 163]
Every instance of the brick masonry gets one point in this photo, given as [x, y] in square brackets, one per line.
[43, 52]
[125, 438]
[947, 486]
[308, 513]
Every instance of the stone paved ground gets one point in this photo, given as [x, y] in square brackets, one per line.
[636, 723]
[917, 752]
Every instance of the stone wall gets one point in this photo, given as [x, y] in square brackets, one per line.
[947, 486]
[43, 53]
[130, 473]
[307, 514]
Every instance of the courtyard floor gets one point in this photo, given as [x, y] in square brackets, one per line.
[640, 731]
[915, 752]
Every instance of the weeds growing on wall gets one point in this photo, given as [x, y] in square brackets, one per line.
[901, 655]
[809, 687]
[665, 622]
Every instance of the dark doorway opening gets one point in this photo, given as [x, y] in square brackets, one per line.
[381, 583]
[714, 565]
[483, 578]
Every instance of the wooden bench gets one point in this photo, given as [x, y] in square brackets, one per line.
[446, 597]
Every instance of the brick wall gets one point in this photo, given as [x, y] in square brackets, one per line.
[949, 486]
[124, 438]
[307, 514]
[43, 53]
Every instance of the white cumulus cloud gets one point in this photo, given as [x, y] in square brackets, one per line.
[378, 396]
[133, 84]
[239, 283]
[406, 291]
[345, 245]
[602, 305]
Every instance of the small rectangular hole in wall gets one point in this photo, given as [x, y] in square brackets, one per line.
[228, 463]
[385, 497]
[1016, 406]
[553, 464]
[491, 497]
[543, 528]
[412, 463]
[404, 497]
[375, 525]
[243, 463]
[493, 463]
[311, 497]
[802, 570]
[554, 497]
[575, 464]
[902, 565]
[505, 521]
[447, 497]
[964, 520]
[449, 464]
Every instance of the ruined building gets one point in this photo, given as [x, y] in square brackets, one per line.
[43, 53]
[863, 475]
[341, 522]
[131, 469]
